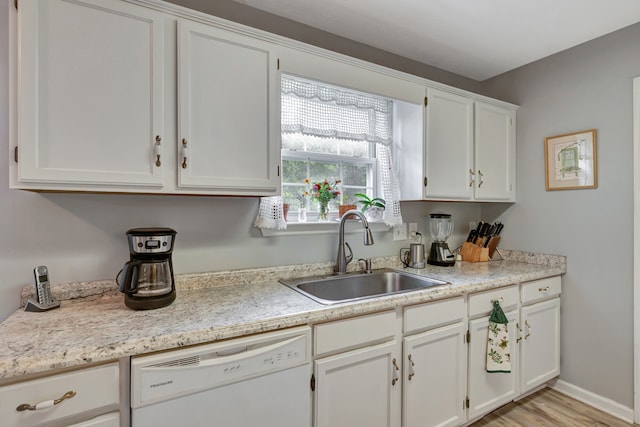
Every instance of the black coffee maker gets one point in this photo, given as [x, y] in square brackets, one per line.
[147, 279]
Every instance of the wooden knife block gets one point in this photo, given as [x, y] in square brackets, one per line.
[476, 252]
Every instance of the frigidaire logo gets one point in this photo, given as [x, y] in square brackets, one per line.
[161, 384]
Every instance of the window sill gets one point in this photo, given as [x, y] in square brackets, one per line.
[330, 227]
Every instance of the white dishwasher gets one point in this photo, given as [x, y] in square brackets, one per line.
[261, 380]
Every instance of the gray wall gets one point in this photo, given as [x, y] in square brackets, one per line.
[81, 236]
[589, 86]
[243, 14]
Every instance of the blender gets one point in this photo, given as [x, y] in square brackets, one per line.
[441, 227]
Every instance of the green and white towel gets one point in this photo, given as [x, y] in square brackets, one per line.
[498, 348]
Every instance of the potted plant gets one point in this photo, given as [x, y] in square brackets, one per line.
[373, 208]
[346, 206]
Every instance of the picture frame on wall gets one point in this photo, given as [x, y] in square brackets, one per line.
[570, 161]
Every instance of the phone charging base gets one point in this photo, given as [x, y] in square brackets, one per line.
[35, 306]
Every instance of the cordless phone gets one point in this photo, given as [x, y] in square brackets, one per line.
[43, 292]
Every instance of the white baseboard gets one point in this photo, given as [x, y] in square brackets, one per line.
[594, 400]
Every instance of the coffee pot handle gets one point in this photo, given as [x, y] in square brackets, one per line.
[404, 258]
[130, 273]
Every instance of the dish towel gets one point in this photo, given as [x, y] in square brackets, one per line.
[498, 348]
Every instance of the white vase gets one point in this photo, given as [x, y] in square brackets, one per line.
[374, 213]
[302, 215]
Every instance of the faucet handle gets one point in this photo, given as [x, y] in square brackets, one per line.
[367, 265]
[348, 258]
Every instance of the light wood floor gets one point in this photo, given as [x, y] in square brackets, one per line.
[548, 408]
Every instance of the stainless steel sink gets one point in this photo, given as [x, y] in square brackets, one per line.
[351, 287]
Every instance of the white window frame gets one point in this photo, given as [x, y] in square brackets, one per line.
[372, 179]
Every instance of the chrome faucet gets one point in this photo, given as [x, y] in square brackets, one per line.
[343, 259]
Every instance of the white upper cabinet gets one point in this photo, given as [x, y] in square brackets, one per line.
[90, 88]
[100, 84]
[146, 97]
[228, 114]
[495, 157]
[466, 151]
[448, 160]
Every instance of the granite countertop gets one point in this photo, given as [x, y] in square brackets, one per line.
[93, 324]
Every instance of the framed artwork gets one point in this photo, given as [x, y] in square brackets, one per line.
[570, 161]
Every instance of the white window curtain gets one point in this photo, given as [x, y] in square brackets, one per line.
[313, 109]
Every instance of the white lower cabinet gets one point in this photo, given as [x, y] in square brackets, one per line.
[435, 377]
[425, 365]
[540, 337]
[359, 388]
[488, 391]
[81, 395]
[357, 372]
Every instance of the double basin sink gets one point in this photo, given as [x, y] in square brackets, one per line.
[353, 287]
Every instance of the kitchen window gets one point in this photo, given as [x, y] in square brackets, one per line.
[316, 159]
[332, 133]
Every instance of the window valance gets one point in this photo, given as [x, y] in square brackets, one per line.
[326, 111]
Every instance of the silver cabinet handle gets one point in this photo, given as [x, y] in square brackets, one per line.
[157, 150]
[473, 179]
[395, 370]
[526, 322]
[545, 289]
[480, 179]
[46, 404]
[411, 365]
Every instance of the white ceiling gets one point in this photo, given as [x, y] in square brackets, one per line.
[478, 39]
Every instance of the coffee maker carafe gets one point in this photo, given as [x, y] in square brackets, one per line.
[147, 278]
[441, 227]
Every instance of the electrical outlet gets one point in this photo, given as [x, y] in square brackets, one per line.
[400, 232]
[413, 229]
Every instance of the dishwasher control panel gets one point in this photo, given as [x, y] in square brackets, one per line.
[159, 377]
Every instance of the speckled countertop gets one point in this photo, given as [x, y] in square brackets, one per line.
[94, 325]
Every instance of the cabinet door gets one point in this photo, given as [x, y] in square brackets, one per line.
[359, 388]
[448, 146]
[435, 377]
[540, 343]
[494, 153]
[228, 112]
[91, 93]
[488, 391]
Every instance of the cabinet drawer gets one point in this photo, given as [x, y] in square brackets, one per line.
[353, 333]
[96, 387]
[431, 315]
[481, 303]
[539, 290]
[109, 420]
